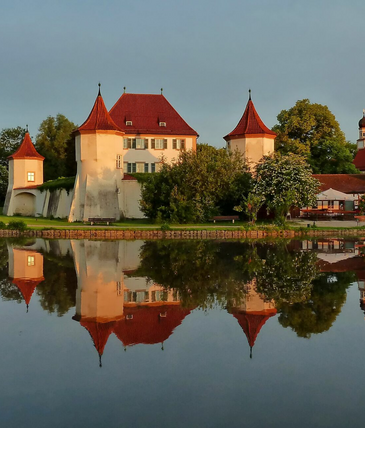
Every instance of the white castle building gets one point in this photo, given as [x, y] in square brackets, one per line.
[133, 137]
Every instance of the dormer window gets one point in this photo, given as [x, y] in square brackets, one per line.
[162, 124]
[129, 123]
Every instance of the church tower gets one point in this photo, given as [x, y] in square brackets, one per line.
[251, 137]
[99, 156]
[359, 160]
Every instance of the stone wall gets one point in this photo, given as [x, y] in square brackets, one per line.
[175, 234]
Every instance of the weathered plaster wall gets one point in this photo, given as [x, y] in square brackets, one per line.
[129, 199]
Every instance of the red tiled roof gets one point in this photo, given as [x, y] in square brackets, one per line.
[127, 176]
[34, 186]
[26, 287]
[145, 111]
[354, 264]
[26, 150]
[99, 333]
[359, 160]
[99, 118]
[251, 324]
[346, 183]
[147, 327]
[250, 123]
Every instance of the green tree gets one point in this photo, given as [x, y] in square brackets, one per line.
[10, 140]
[56, 143]
[330, 156]
[285, 181]
[311, 130]
[199, 185]
[3, 183]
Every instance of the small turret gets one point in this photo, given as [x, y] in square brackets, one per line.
[251, 137]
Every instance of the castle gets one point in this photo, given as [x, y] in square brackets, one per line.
[133, 137]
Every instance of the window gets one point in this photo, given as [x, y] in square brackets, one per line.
[30, 176]
[129, 316]
[155, 167]
[159, 144]
[131, 167]
[162, 124]
[140, 167]
[178, 144]
[129, 123]
[145, 167]
[119, 161]
[119, 288]
[138, 143]
[31, 261]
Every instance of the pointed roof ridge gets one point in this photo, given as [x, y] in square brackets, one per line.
[99, 118]
[250, 123]
[26, 150]
[99, 333]
[27, 286]
[251, 323]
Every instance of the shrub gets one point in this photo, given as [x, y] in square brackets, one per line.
[2, 225]
[17, 225]
[165, 227]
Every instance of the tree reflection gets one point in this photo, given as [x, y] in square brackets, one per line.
[318, 313]
[58, 290]
[206, 273]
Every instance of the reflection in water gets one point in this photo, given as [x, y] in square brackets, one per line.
[142, 291]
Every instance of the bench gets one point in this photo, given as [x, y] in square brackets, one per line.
[96, 220]
[224, 218]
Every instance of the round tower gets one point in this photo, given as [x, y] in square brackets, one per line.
[359, 160]
[99, 156]
[251, 137]
[25, 174]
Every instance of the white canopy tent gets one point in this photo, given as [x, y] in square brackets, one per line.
[332, 194]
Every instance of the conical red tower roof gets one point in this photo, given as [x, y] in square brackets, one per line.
[249, 124]
[26, 150]
[251, 324]
[99, 118]
[99, 333]
[26, 287]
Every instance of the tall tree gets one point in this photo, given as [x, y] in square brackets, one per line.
[311, 130]
[284, 181]
[10, 140]
[56, 143]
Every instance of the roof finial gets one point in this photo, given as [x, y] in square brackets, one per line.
[99, 89]
[250, 352]
[161, 91]
[26, 127]
[124, 89]
[249, 94]
[363, 113]
[100, 364]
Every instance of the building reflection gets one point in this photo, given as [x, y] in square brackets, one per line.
[25, 270]
[141, 293]
[252, 312]
[112, 298]
[337, 256]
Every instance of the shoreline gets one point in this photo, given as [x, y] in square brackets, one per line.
[101, 234]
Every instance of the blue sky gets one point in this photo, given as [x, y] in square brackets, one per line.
[205, 55]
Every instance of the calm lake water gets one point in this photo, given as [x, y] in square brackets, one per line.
[182, 334]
